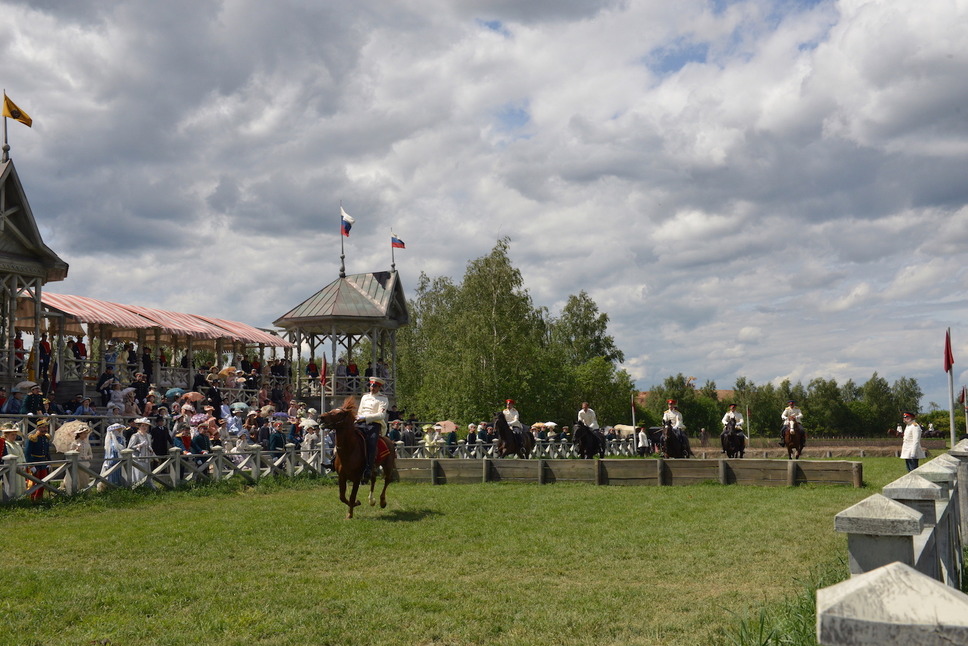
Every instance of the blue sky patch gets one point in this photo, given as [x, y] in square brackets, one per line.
[673, 57]
[495, 26]
[513, 116]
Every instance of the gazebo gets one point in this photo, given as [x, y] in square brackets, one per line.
[26, 265]
[353, 313]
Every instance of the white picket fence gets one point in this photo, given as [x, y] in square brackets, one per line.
[906, 550]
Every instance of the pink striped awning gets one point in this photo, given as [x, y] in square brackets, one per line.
[91, 310]
[177, 323]
[136, 317]
[247, 333]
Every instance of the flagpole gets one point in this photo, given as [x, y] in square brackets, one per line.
[393, 258]
[951, 388]
[342, 255]
[6, 146]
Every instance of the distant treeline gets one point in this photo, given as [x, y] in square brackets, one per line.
[829, 408]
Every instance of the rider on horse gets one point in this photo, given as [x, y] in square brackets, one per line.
[737, 417]
[512, 417]
[588, 417]
[791, 417]
[371, 420]
[675, 417]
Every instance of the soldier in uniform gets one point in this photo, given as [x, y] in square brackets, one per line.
[371, 420]
[791, 412]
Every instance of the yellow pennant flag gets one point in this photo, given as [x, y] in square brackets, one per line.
[11, 110]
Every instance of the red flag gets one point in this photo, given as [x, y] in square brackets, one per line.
[963, 397]
[949, 359]
[322, 373]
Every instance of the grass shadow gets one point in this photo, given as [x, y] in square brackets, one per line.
[407, 515]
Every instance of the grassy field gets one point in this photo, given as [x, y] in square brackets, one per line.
[454, 564]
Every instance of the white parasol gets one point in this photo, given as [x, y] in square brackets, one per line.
[64, 435]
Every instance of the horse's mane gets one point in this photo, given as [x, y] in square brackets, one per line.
[350, 405]
[501, 425]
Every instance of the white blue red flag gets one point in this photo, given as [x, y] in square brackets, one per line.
[396, 242]
[347, 222]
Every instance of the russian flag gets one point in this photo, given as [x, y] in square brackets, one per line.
[347, 222]
[396, 242]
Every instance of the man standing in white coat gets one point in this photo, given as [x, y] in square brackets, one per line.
[911, 450]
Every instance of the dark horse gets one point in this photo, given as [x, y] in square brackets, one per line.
[675, 444]
[511, 442]
[734, 443]
[589, 442]
[794, 437]
[351, 455]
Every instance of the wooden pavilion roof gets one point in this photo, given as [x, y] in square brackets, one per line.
[22, 250]
[350, 304]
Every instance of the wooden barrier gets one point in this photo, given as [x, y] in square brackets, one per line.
[631, 472]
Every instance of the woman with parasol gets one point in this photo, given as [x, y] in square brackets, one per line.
[15, 486]
[73, 436]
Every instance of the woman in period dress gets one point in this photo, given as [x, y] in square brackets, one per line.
[309, 448]
[140, 443]
[113, 444]
[82, 445]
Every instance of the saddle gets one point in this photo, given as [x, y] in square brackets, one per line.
[383, 446]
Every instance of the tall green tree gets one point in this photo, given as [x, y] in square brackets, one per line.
[582, 332]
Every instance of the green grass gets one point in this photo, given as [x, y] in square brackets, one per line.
[454, 564]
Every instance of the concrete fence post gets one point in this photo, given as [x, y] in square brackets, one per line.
[879, 531]
[960, 453]
[888, 606]
[943, 470]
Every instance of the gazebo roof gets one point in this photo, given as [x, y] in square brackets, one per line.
[351, 303]
[22, 250]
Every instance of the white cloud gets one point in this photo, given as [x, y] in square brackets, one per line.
[767, 190]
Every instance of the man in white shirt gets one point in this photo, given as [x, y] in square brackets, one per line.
[587, 417]
[673, 415]
[371, 419]
[512, 417]
[790, 414]
[733, 414]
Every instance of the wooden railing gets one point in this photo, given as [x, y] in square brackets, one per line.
[73, 476]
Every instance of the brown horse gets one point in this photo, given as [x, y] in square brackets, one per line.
[351, 455]
[511, 443]
[794, 437]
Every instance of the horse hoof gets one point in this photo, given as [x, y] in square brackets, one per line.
[383, 503]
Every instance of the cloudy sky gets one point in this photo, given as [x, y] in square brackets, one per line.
[773, 189]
